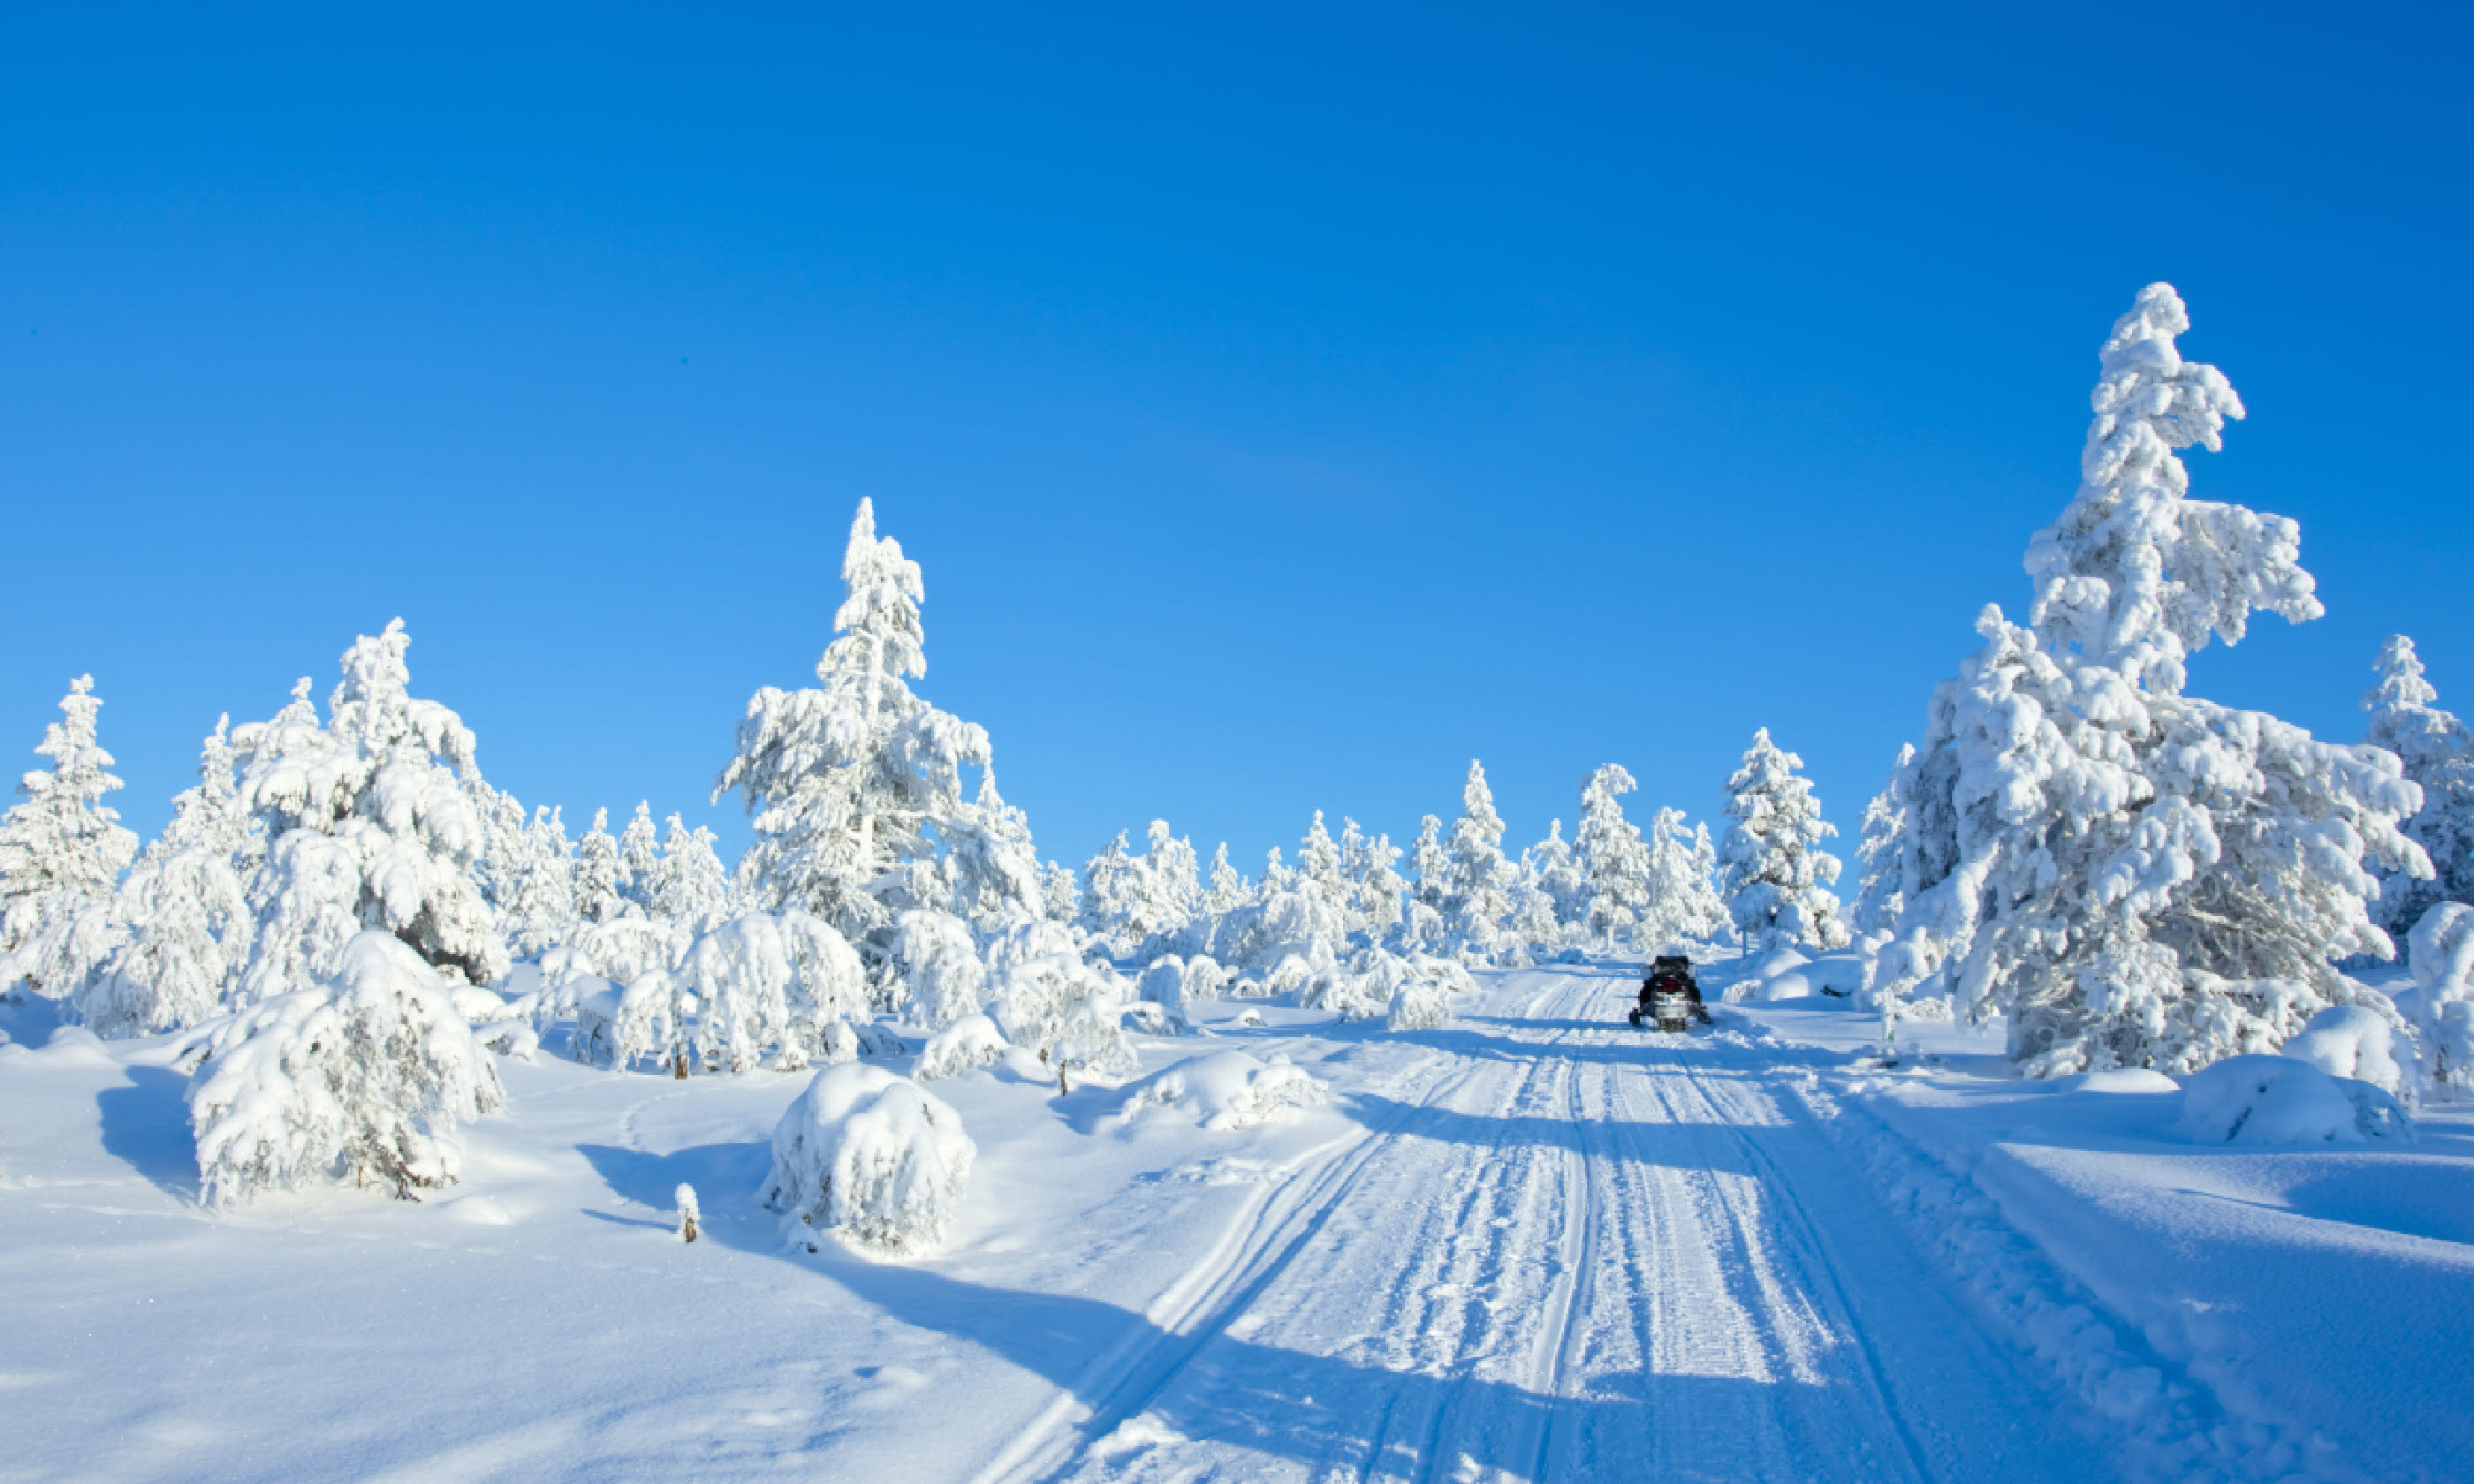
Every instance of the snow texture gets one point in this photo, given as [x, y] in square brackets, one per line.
[1225, 1089]
[2282, 1100]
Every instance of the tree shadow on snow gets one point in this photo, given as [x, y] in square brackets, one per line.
[1365, 1418]
[145, 1124]
[729, 1181]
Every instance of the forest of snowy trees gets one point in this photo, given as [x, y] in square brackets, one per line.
[344, 922]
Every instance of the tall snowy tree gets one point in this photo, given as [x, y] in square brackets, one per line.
[1226, 892]
[598, 873]
[856, 786]
[2129, 876]
[368, 825]
[639, 858]
[1684, 905]
[1110, 883]
[2437, 753]
[1774, 869]
[1319, 868]
[60, 851]
[181, 919]
[1557, 867]
[1614, 863]
[1480, 877]
[1379, 887]
[691, 887]
[1881, 878]
[540, 912]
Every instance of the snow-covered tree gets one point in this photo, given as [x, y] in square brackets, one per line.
[1319, 867]
[598, 873]
[639, 858]
[940, 966]
[1614, 863]
[871, 1158]
[1052, 1002]
[857, 787]
[540, 912]
[60, 851]
[1776, 872]
[783, 982]
[368, 825]
[2129, 876]
[1379, 887]
[1557, 867]
[1879, 851]
[1060, 899]
[361, 1076]
[181, 919]
[1429, 866]
[690, 885]
[2437, 753]
[1110, 884]
[1227, 890]
[1480, 877]
[995, 868]
[1684, 905]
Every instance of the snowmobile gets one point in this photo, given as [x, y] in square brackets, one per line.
[1670, 998]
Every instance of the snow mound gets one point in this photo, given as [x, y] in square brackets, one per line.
[971, 1041]
[2118, 1081]
[2279, 1100]
[873, 1158]
[363, 1077]
[2349, 1041]
[1228, 1089]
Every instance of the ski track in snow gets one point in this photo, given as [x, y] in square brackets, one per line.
[1581, 1253]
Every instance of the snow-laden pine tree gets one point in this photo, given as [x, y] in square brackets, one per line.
[1557, 867]
[1227, 890]
[1614, 862]
[1422, 924]
[1880, 876]
[540, 911]
[1319, 868]
[2437, 753]
[691, 887]
[60, 851]
[368, 823]
[1060, 899]
[856, 786]
[1170, 890]
[2129, 876]
[995, 868]
[1684, 906]
[1379, 887]
[1111, 881]
[1480, 877]
[639, 858]
[362, 1076]
[1774, 870]
[598, 873]
[181, 919]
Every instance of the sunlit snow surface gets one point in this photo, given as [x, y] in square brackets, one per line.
[1535, 1244]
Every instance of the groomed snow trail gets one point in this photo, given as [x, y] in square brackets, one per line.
[1575, 1252]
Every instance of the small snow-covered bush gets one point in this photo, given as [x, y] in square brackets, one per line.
[1228, 1089]
[2280, 1100]
[1050, 1001]
[2351, 1040]
[871, 1158]
[772, 979]
[940, 966]
[971, 1041]
[1204, 979]
[362, 1077]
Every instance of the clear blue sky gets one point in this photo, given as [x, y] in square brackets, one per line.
[1286, 408]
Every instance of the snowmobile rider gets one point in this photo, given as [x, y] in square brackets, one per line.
[1668, 974]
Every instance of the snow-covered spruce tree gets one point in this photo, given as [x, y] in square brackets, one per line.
[1480, 877]
[781, 982]
[1614, 862]
[1167, 891]
[2437, 752]
[690, 887]
[856, 787]
[940, 966]
[60, 851]
[994, 867]
[1227, 890]
[1684, 905]
[1051, 1003]
[368, 824]
[1319, 869]
[639, 858]
[181, 919]
[1060, 900]
[361, 1076]
[597, 874]
[498, 869]
[2132, 876]
[1379, 887]
[540, 911]
[1557, 867]
[1880, 849]
[1774, 870]
[1111, 880]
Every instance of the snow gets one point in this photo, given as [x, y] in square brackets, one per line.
[869, 1157]
[2285, 1100]
[1532, 1244]
[1225, 1089]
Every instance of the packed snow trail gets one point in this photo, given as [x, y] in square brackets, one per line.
[1579, 1252]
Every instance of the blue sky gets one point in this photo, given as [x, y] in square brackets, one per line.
[1285, 407]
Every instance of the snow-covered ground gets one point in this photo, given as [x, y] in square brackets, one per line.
[1536, 1244]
